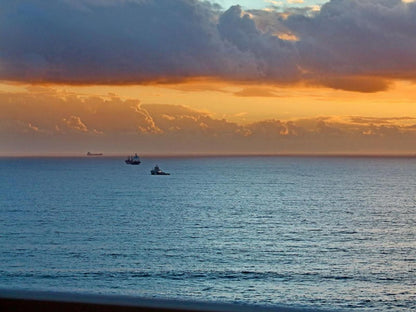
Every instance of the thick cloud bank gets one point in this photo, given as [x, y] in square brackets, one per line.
[44, 121]
[348, 44]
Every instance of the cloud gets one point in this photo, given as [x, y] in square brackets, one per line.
[379, 120]
[50, 121]
[355, 45]
[358, 38]
[357, 83]
[180, 120]
[74, 123]
[256, 92]
[108, 42]
[53, 113]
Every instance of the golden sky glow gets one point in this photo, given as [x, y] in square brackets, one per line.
[285, 77]
[71, 114]
[249, 103]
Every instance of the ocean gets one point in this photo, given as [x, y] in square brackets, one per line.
[324, 232]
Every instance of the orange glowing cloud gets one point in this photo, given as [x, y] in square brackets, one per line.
[49, 121]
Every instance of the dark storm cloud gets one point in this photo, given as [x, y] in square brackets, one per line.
[358, 38]
[109, 42]
[345, 45]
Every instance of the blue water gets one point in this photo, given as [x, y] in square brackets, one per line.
[322, 232]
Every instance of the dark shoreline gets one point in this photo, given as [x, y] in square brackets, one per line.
[25, 300]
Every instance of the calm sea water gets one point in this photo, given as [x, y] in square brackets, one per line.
[321, 232]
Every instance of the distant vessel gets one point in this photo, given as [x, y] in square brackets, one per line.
[133, 160]
[94, 154]
[156, 171]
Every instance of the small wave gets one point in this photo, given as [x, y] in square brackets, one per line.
[346, 232]
[227, 275]
[188, 275]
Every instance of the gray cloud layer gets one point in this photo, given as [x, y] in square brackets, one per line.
[138, 41]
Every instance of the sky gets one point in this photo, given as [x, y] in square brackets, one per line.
[265, 4]
[207, 77]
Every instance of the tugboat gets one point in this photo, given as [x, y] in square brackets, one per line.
[133, 160]
[156, 171]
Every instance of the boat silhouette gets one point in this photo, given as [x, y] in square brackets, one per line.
[94, 154]
[133, 160]
[157, 171]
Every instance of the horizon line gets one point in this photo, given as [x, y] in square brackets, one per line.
[191, 155]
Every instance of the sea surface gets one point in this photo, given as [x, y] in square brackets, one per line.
[325, 232]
